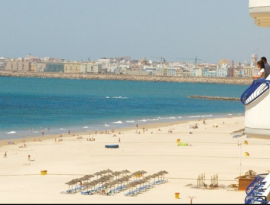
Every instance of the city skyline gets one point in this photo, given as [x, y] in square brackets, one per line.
[209, 30]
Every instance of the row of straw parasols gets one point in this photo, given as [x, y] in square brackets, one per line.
[102, 176]
[107, 176]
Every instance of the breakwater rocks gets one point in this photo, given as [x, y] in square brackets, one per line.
[234, 81]
[215, 98]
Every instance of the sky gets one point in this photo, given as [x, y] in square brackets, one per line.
[175, 29]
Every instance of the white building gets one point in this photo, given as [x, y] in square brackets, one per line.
[256, 98]
[254, 59]
[197, 72]
[107, 63]
[171, 72]
[90, 67]
[3, 63]
[222, 68]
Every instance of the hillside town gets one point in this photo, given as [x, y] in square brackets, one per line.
[127, 66]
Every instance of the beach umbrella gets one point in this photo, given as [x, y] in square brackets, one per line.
[97, 174]
[70, 183]
[76, 180]
[126, 171]
[85, 178]
[89, 176]
[116, 174]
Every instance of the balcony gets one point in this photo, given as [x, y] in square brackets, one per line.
[256, 100]
[260, 11]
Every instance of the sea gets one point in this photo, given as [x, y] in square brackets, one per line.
[29, 106]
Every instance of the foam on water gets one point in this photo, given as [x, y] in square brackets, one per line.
[118, 122]
[131, 121]
[11, 132]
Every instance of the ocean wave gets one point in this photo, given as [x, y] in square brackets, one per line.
[144, 120]
[152, 119]
[85, 127]
[106, 125]
[11, 132]
[62, 129]
[120, 97]
[180, 117]
[118, 122]
[107, 97]
[171, 118]
[194, 116]
[206, 115]
[132, 121]
[167, 118]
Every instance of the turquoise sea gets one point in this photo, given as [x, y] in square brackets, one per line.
[30, 105]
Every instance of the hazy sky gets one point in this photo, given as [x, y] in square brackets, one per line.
[82, 29]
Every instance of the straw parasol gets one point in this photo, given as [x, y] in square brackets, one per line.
[98, 174]
[108, 171]
[85, 178]
[70, 183]
[126, 171]
[76, 180]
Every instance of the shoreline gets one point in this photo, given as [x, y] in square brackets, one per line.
[4, 142]
[148, 78]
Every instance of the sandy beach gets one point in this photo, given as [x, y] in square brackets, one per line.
[212, 151]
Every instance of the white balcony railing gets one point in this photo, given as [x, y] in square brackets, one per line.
[260, 11]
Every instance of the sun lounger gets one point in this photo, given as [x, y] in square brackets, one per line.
[112, 146]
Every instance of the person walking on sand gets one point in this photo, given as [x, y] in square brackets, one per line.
[119, 140]
[5, 155]
[29, 156]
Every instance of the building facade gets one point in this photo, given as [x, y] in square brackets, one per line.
[54, 67]
[18, 65]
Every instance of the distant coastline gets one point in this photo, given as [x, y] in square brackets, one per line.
[148, 78]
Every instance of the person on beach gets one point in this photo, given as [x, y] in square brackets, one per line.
[29, 157]
[5, 155]
[190, 130]
[69, 132]
[266, 66]
[262, 74]
[119, 140]
[43, 133]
